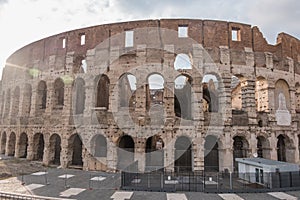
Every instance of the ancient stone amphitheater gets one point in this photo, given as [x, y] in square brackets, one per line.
[183, 94]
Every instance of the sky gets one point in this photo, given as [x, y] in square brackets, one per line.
[25, 21]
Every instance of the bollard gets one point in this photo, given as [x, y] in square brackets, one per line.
[46, 179]
[22, 177]
[230, 180]
[90, 188]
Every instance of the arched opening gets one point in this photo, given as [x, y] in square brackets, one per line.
[7, 104]
[3, 143]
[282, 87]
[238, 101]
[155, 90]
[11, 144]
[182, 97]
[211, 154]
[26, 105]
[237, 94]
[16, 102]
[127, 88]
[59, 93]
[38, 146]
[240, 149]
[183, 155]
[297, 97]
[100, 146]
[41, 96]
[125, 152]
[23, 145]
[80, 96]
[75, 150]
[182, 61]
[103, 92]
[210, 93]
[154, 153]
[55, 149]
[263, 148]
[281, 148]
[261, 95]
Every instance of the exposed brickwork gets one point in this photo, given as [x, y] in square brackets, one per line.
[51, 96]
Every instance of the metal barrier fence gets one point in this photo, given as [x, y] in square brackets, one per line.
[202, 181]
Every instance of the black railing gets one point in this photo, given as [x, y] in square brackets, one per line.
[202, 181]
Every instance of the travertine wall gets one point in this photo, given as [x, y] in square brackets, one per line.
[54, 97]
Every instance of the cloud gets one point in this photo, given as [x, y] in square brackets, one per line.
[3, 1]
[274, 17]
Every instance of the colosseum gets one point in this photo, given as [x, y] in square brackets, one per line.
[179, 94]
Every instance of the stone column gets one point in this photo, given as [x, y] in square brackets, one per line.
[17, 146]
[273, 146]
[49, 101]
[30, 148]
[89, 99]
[46, 156]
[248, 98]
[226, 152]
[111, 157]
[252, 144]
[64, 154]
[198, 153]
[34, 97]
[169, 151]
[139, 154]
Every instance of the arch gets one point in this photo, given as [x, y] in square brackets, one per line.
[26, 104]
[16, 102]
[183, 97]
[155, 90]
[237, 94]
[281, 148]
[154, 153]
[282, 87]
[55, 149]
[263, 147]
[183, 154]
[3, 143]
[75, 150]
[41, 96]
[59, 93]
[38, 146]
[11, 144]
[211, 153]
[261, 94]
[182, 61]
[102, 97]
[99, 145]
[297, 97]
[80, 96]
[23, 145]
[125, 152]
[240, 149]
[210, 86]
[127, 88]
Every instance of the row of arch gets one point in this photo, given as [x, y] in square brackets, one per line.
[154, 149]
[155, 89]
[34, 149]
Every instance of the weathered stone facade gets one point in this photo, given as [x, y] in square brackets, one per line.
[82, 97]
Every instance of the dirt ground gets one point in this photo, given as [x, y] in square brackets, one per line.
[11, 167]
